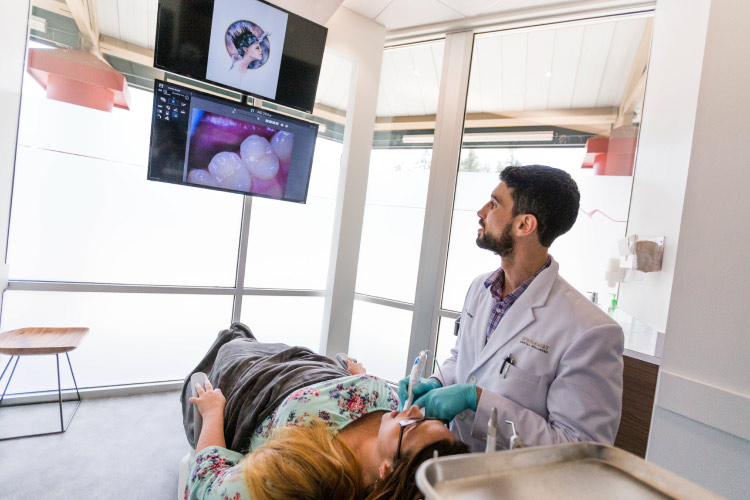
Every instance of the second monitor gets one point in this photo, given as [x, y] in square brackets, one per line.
[201, 140]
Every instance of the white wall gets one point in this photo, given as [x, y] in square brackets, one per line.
[694, 148]
[663, 155]
[14, 25]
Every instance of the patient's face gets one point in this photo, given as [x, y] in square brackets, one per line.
[415, 437]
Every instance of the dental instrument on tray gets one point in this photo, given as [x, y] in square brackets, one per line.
[492, 432]
[417, 370]
[515, 440]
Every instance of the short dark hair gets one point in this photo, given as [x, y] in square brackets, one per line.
[549, 194]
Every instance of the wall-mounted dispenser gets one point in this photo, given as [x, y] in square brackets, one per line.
[641, 253]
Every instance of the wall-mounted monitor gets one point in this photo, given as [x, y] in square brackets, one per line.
[246, 45]
[201, 140]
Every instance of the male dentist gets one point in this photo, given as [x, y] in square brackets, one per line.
[529, 344]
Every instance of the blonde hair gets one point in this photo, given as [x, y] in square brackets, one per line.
[303, 463]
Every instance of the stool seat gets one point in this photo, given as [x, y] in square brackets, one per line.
[30, 341]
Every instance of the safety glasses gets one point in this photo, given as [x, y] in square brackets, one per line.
[409, 422]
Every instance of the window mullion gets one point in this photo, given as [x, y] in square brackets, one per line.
[445, 155]
[239, 280]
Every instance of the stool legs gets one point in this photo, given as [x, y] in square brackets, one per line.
[59, 393]
[6, 367]
[63, 427]
[10, 376]
[75, 384]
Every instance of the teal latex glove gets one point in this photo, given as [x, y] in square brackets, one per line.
[421, 388]
[447, 402]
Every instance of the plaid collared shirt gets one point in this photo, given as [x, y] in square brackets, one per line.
[500, 306]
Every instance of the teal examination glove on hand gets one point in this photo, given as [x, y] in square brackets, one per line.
[447, 402]
[421, 388]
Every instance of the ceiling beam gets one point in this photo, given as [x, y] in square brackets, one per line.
[635, 88]
[130, 52]
[588, 120]
[329, 113]
[84, 14]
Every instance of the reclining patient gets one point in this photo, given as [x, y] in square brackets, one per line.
[311, 429]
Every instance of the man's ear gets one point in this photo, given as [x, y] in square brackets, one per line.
[384, 469]
[526, 224]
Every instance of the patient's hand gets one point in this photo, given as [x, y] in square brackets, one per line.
[354, 367]
[210, 401]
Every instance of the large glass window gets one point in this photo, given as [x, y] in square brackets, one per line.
[133, 337]
[86, 225]
[567, 96]
[82, 219]
[289, 244]
[392, 226]
[289, 320]
[396, 199]
[84, 212]
[399, 171]
[380, 338]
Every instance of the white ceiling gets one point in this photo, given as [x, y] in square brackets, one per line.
[400, 14]
[553, 67]
[556, 67]
[134, 21]
[571, 67]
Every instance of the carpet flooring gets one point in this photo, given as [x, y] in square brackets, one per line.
[115, 448]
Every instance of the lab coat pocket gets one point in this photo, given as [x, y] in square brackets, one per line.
[516, 372]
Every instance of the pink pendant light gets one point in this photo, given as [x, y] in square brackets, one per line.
[79, 78]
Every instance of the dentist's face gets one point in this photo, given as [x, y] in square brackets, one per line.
[496, 222]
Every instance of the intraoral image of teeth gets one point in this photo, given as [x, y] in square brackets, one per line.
[281, 143]
[254, 147]
[259, 157]
[229, 171]
[202, 177]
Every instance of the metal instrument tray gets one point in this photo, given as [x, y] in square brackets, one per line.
[572, 470]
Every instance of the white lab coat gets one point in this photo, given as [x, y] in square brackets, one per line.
[566, 383]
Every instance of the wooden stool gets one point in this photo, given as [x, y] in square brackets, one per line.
[36, 341]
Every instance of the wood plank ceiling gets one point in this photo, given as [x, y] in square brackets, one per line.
[557, 67]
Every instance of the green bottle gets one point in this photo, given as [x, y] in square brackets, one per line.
[612, 305]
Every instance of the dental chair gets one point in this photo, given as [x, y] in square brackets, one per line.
[196, 378]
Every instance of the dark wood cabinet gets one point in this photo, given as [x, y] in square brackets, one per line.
[639, 389]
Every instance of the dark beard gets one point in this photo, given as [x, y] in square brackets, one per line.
[503, 246]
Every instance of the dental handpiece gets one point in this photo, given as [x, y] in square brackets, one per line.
[491, 432]
[417, 370]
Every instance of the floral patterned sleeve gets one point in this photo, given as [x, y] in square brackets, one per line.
[336, 402]
[215, 475]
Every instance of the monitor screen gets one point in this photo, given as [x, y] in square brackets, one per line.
[201, 140]
[247, 45]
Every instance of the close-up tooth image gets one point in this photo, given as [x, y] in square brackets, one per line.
[229, 153]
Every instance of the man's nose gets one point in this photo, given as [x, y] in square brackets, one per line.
[482, 211]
